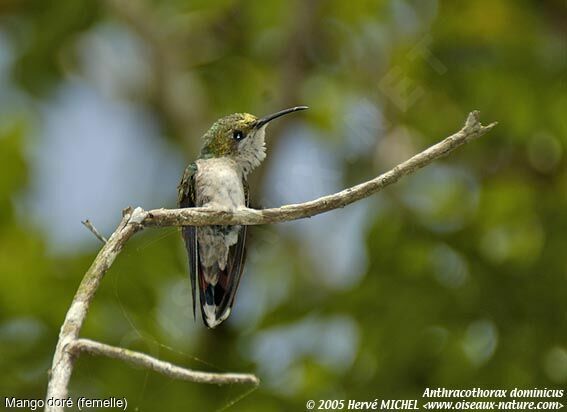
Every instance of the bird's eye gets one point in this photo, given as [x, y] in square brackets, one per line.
[237, 135]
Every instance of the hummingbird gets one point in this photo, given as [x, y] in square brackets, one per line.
[233, 147]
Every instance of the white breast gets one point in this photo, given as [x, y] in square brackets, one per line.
[219, 183]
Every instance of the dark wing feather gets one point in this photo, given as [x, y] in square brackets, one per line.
[224, 292]
[186, 198]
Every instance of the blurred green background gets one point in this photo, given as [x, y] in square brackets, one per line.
[455, 277]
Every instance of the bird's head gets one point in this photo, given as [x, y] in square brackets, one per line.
[240, 136]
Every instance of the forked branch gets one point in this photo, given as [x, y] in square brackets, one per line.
[69, 345]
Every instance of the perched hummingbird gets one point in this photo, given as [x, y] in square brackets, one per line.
[232, 148]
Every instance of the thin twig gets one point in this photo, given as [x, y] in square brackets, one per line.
[134, 220]
[87, 223]
[165, 368]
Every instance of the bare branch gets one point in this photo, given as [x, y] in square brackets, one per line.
[63, 359]
[62, 366]
[69, 343]
[165, 368]
[87, 223]
[205, 216]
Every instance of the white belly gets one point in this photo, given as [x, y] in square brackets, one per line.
[219, 184]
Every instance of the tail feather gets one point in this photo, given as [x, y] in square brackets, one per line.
[218, 287]
[213, 296]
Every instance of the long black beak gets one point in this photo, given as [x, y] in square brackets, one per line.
[266, 119]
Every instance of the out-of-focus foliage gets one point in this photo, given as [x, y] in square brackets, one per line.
[455, 277]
